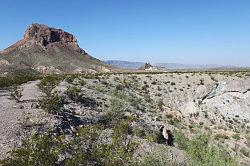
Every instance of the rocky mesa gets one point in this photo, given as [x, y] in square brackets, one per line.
[49, 50]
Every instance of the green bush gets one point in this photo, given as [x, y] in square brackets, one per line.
[85, 148]
[114, 114]
[70, 79]
[155, 158]
[201, 153]
[41, 150]
[181, 140]
[73, 93]
[152, 137]
[220, 136]
[119, 87]
[48, 83]
[236, 136]
[160, 104]
[18, 77]
[52, 104]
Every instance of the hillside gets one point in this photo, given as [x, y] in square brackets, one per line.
[115, 119]
[49, 50]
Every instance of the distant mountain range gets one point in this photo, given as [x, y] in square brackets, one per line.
[136, 65]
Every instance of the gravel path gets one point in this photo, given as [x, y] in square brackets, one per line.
[11, 116]
[9, 123]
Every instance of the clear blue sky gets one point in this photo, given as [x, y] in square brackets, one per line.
[182, 31]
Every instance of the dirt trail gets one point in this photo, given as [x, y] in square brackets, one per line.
[12, 115]
[31, 92]
[9, 123]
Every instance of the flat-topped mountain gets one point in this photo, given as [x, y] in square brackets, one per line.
[49, 50]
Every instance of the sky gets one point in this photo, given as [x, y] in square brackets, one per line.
[169, 31]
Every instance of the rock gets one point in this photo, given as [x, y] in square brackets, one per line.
[45, 35]
[51, 51]
[146, 66]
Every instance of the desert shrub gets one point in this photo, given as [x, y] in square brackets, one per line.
[173, 120]
[73, 92]
[236, 136]
[84, 145]
[41, 149]
[18, 77]
[201, 82]
[70, 78]
[245, 152]
[144, 87]
[159, 88]
[158, 94]
[134, 77]
[248, 141]
[181, 139]
[120, 151]
[117, 79]
[119, 87]
[220, 136]
[139, 133]
[16, 94]
[114, 114]
[155, 158]
[82, 82]
[152, 137]
[160, 104]
[85, 148]
[172, 83]
[214, 79]
[52, 104]
[153, 82]
[200, 152]
[147, 98]
[48, 83]
[135, 102]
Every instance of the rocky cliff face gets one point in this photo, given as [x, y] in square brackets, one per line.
[50, 49]
[45, 37]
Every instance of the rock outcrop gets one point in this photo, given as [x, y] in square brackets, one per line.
[147, 66]
[44, 36]
[49, 48]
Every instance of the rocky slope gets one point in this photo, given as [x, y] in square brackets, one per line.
[49, 50]
[192, 103]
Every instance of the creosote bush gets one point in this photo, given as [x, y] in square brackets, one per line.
[48, 83]
[85, 148]
[41, 149]
[73, 93]
[52, 103]
[156, 158]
